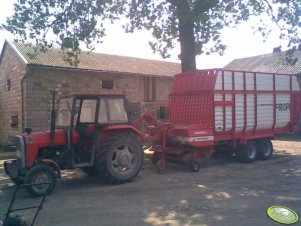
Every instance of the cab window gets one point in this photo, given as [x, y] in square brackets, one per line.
[103, 115]
[88, 110]
[117, 110]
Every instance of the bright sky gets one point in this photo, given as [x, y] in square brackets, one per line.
[241, 41]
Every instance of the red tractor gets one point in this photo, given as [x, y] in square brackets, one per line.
[92, 132]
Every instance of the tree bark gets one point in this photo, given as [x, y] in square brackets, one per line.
[186, 35]
[187, 42]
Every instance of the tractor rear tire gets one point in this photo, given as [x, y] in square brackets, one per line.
[40, 174]
[90, 170]
[265, 149]
[247, 153]
[119, 158]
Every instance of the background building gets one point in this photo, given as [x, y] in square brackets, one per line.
[275, 62]
[26, 84]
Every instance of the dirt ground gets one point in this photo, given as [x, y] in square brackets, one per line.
[223, 192]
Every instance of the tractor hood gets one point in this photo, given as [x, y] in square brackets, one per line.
[37, 140]
[42, 139]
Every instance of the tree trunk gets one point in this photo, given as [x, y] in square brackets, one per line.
[186, 35]
[187, 42]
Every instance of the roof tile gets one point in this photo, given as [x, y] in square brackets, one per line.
[100, 62]
[272, 63]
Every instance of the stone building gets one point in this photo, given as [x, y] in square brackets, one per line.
[26, 84]
[276, 62]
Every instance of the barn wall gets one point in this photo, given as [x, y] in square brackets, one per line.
[42, 81]
[12, 69]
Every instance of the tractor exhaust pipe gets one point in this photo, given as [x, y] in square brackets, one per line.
[52, 120]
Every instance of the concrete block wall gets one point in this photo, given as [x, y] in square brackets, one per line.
[42, 81]
[11, 68]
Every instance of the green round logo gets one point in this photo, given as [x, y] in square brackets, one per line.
[282, 214]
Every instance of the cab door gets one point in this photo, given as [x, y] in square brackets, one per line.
[84, 131]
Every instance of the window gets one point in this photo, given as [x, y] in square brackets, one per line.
[88, 110]
[117, 110]
[107, 84]
[103, 116]
[64, 112]
[8, 84]
[14, 121]
[113, 112]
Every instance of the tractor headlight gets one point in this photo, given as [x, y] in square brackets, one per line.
[18, 154]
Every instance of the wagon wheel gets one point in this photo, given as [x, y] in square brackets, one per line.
[265, 149]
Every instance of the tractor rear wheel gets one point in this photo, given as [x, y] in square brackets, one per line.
[119, 158]
[265, 149]
[40, 174]
[247, 153]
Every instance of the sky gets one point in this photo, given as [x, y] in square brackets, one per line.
[241, 42]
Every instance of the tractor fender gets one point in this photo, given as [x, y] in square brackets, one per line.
[54, 165]
[114, 128]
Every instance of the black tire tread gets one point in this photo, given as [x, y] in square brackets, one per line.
[100, 157]
[242, 155]
[261, 144]
[33, 171]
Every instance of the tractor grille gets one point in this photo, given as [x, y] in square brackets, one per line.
[13, 143]
[16, 143]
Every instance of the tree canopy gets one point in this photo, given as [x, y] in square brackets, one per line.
[196, 24]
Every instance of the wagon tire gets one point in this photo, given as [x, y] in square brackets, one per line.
[40, 174]
[265, 149]
[247, 153]
[119, 158]
[194, 166]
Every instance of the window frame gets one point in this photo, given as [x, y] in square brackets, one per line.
[110, 121]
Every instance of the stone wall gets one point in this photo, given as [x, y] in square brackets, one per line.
[42, 81]
[151, 92]
[12, 69]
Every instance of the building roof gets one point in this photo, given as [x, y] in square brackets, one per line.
[97, 62]
[273, 63]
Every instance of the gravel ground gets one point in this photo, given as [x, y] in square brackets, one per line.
[223, 192]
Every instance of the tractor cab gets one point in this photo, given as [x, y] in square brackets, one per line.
[84, 117]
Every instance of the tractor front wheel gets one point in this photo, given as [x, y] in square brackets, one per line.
[38, 175]
[119, 158]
